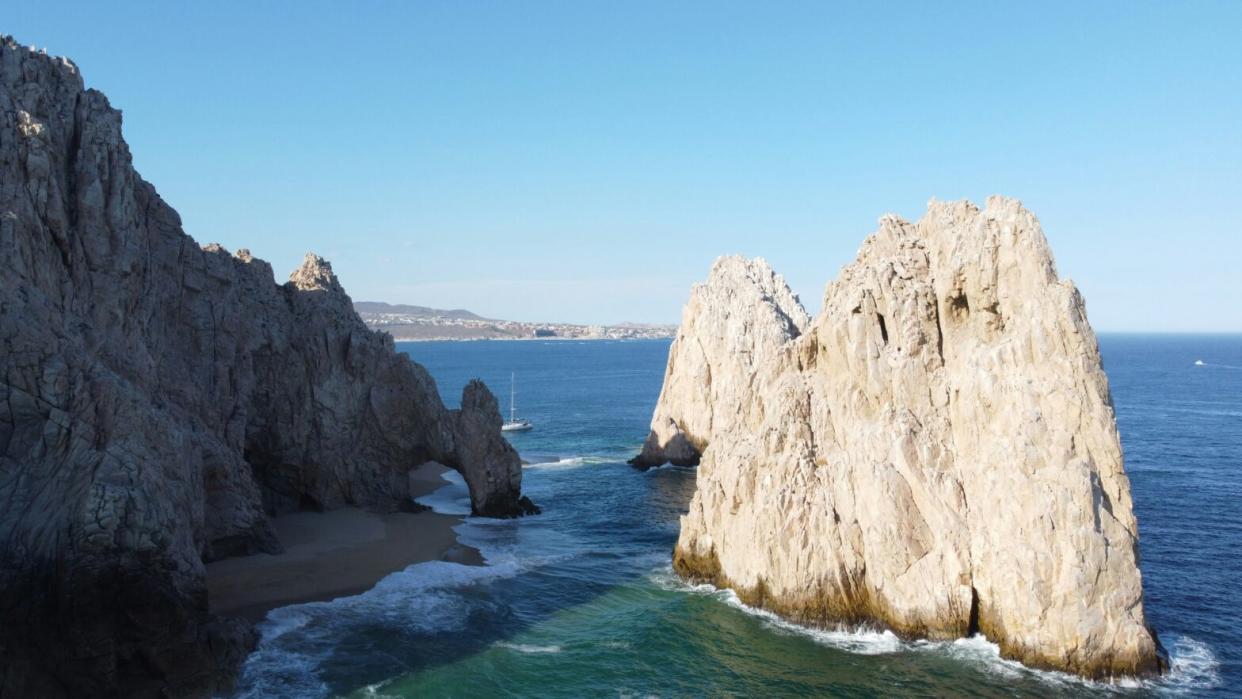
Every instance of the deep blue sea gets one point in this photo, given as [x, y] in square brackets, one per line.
[581, 602]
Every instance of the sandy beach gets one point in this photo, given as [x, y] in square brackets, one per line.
[336, 554]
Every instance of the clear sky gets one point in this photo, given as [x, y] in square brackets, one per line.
[586, 161]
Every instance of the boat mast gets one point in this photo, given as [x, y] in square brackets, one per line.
[513, 397]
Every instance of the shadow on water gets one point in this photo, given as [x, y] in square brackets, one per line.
[579, 601]
[593, 540]
[503, 609]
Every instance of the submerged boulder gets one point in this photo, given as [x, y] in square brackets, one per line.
[935, 453]
[160, 400]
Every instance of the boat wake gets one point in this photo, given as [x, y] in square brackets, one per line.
[1201, 363]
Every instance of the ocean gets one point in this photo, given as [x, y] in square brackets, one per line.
[581, 600]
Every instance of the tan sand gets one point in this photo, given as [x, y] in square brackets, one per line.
[427, 478]
[336, 554]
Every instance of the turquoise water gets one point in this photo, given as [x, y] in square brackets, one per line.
[580, 601]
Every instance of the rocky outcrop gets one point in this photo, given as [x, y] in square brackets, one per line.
[495, 484]
[732, 327]
[160, 400]
[936, 453]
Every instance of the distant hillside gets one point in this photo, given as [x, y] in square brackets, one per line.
[421, 323]
[380, 307]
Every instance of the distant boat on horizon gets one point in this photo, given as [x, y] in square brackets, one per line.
[515, 424]
[1198, 362]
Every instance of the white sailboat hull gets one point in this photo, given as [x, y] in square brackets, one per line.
[515, 423]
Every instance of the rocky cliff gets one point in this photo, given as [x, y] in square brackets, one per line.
[935, 453]
[160, 400]
[731, 328]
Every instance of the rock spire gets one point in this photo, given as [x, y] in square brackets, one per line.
[935, 453]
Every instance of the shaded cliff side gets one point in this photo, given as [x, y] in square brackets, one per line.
[936, 452]
[160, 400]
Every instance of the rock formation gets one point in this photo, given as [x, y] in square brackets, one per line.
[730, 327]
[160, 400]
[935, 453]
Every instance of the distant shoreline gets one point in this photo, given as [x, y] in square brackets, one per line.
[422, 324]
[529, 339]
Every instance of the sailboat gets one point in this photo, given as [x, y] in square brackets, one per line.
[515, 423]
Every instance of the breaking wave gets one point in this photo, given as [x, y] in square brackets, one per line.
[528, 648]
[572, 462]
[1193, 666]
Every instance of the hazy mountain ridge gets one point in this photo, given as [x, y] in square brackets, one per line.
[379, 307]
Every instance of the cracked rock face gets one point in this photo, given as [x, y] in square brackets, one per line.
[731, 328]
[936, 452]
[160, 400]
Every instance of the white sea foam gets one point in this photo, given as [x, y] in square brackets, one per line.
[452, 498]
[275, 672]
[428, 597]
[863, 641]
[664, 578]
[571, 462]
[667, 468]
[527, 648]
[652, 559]
[1216, 366]
[374, 690]
[423, 597]
[282, 620]
[1194, 667]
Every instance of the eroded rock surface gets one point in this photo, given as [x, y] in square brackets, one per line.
[159, 400]
[731, 329]
[936, 453]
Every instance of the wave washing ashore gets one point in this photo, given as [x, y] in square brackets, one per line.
[581, 601]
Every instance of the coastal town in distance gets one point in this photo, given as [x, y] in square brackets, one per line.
[410, 323]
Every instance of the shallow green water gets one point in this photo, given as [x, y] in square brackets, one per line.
[580, 601]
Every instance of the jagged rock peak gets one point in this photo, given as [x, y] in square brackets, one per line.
[315, 274]
[936, 452]
[732, 272]
[162, 400]
[733, 323]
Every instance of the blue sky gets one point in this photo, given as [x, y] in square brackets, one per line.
[586, 161]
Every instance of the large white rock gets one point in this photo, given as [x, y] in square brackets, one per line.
[935, 453]
[733, 326]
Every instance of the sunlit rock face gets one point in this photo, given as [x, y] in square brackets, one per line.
[936, 452]
[732, 327]
[160, 400]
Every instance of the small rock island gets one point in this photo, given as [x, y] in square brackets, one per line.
[935, 453]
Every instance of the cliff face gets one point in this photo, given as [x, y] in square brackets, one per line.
[159, 400]
[936, 453]
[731, 329]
